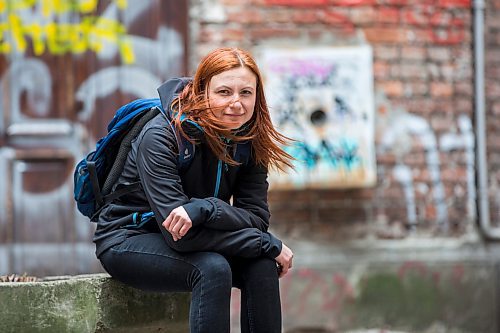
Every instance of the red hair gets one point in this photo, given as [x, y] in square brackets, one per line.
[192, 104]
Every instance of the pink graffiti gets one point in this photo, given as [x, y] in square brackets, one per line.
[412, 266]
[301, 67]
[311, 282]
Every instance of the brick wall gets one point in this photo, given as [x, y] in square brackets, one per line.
[423, 72]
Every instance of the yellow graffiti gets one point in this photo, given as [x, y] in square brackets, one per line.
[49, 7]
[91, 33]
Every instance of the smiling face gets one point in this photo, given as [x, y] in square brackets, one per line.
[232, 95]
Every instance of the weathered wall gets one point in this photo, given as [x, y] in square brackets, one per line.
[408, 248]
[424, 139]
[65, 67]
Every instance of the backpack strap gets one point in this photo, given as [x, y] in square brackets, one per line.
[121, 157]
[94, 181]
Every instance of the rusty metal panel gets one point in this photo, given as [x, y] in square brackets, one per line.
[65, 67]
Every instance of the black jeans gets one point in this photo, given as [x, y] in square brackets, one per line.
[146, 262]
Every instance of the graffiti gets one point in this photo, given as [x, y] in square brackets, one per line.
[400, 129]
[91, 33]
[321, 98]
[464, 140]
[28, 100]
[408, 125]
[342, 155]
[30, 76]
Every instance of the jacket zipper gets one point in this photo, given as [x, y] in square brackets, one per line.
[219, 175]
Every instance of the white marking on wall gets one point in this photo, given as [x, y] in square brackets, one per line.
[403, 175]
[32, 76]
[465, 140]
[404, 124]
[131, 80]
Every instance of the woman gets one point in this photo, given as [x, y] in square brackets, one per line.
[209, 230]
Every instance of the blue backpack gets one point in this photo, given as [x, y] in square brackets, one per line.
[95, 175]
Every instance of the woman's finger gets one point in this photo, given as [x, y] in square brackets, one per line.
[185, 228]
[167, 222]
[178, 225]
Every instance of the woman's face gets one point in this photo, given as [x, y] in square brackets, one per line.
[236, 90]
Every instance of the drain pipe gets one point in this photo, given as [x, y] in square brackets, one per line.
[480, 110]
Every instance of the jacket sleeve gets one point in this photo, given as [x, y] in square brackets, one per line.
[157, 168]
[249, 209]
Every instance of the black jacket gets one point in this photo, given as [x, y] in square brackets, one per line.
[204, 189]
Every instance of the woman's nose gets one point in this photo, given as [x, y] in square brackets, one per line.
[235, 103]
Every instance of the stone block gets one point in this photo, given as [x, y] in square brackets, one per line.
[89, 303]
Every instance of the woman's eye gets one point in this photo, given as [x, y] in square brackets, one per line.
[223, 92]
[246, 92]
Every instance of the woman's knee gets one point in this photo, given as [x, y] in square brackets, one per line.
[261, 268]
[214, 267]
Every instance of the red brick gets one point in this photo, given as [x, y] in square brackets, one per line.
[277, 15]
[492, 56]
[464, 88]
[235, 2]
[416, 15]
[347, 3]
[492, 88]
[413, 52]
[495, 108]
[273, 32]
[392, 88]
[416, 88]
[246, 16]
[388, 15]
[317, 33]
[381, 69]
[209, 34]
[421, 36]
[449, 36]
[441, 123]
[386, 52]
[411, 70]
[233, 34]
[305, 16]
[438, 53]
[454, 3]
[493, 20]
[363, 16]
[337, 18]
[463, 105]
[296, 3]
[395, 2]
[385, 35]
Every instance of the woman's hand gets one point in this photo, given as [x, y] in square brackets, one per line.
[284, 260]
[178, 223]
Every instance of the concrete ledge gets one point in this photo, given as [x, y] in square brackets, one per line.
[89, 303]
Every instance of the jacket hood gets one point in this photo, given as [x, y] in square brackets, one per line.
[169, 90]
